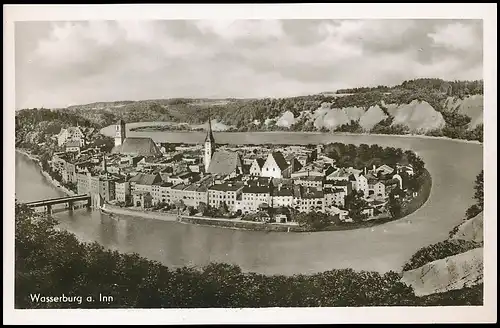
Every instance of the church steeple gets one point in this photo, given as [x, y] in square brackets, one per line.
[210, 136]
[209, 145]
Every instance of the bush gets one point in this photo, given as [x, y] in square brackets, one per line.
[465, 296]
[439, 251]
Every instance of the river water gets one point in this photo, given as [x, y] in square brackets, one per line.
[452, 164]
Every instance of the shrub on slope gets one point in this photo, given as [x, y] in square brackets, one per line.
[439, 251]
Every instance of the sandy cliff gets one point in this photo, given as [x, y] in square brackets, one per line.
[471, 106]
[417, 115]
[454, 272]
[471, 229]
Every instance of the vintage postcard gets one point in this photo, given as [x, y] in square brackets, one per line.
[250, 163]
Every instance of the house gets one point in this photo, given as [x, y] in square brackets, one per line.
[274, 166]
[339, 174]
[310, 181]
[334, 197]
[335, 211]
[224, 193]
[72, 146]
[142, 199]
[376, 188]
[311, 199]
[253, 197]
[71, 133]
[408, 169]
[383, 169]
[282, 197]
[97, 184]
[145, 182]
[359, 183]
[256, 166]
[122, 191]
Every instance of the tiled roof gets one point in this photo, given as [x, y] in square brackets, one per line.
[280, 160]
[256, 190]
[283, 192]
[260, 162]
[138, 146]
[146, 179]
[340, 173]
[72, 143]
[225, 187]
[295, 165]
[311, 178]
[224, 162]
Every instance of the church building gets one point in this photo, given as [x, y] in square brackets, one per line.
[137, 146]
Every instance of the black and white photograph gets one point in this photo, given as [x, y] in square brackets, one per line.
[251, 161]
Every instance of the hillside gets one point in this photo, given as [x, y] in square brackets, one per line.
[425, 106]
[451, 273]
[471, 229]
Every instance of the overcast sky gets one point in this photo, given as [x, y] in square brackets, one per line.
[67, 63]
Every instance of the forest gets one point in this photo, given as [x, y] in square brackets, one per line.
[261, 114]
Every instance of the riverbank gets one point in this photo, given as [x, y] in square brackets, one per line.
[50, 179]
[242, 225]
[109, 131]
[237, 224]
[111, 209]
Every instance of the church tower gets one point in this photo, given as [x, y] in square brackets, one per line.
[209, 145]
[119, 133]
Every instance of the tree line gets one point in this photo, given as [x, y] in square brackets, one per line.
[53, 262]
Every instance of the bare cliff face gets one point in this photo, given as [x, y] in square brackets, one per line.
[417, 116]
[286, 120]
[371, 117]
[454, 272]
[471, 106]
[471, 229]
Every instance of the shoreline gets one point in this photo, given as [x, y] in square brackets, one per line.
[221, 222]
[416, 136]
[47, 176]
[111, 209]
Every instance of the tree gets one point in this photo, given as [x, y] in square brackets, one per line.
[202, 208]
[394, 203]
[191, 210]
[479, 190]
[314, 220]
[223, 210]
[355, 204]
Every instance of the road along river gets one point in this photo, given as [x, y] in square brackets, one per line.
[452, 164]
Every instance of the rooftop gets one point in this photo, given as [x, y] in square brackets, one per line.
[225, 187]
[224, 162]
[138, 146]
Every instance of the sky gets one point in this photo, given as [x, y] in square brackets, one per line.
[59, 64]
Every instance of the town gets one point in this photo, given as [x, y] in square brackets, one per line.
[261, 183]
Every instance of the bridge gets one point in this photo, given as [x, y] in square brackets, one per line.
[70, 200]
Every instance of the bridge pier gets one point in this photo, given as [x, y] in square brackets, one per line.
[89, 202]
[49, 209]
[71, 205]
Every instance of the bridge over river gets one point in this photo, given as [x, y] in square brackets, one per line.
[68, 200]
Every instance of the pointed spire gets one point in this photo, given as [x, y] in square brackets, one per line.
[210, 136]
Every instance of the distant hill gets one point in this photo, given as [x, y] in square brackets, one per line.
[424, 106]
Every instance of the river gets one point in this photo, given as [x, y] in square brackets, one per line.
[452, 164]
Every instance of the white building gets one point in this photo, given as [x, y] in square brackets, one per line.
[274, 166]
